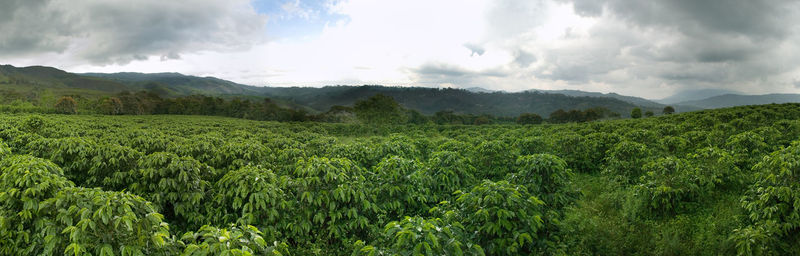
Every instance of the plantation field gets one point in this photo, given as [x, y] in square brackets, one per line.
[718, 182]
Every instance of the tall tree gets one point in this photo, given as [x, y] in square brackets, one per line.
[66, 105]
[668, 110]
[380, 109]
[636, 113]
[528, 118]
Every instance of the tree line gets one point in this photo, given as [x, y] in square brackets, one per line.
[377, 109]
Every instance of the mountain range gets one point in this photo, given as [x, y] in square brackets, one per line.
[36, 81]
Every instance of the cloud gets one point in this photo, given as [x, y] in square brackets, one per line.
[523, 58]
[116, 31]
[642, 48]
[453, 76]
[475, 49]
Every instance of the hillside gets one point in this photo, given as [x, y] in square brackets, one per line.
[176, 84]
[42, 85]
[732, 100]
[431, 100]
[693, 95]
[52, 78]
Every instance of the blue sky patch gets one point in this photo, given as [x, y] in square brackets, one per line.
[296, 18]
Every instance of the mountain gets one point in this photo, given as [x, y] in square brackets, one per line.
[431, 100]
[634, 100]
[732, 100]
[176, 84]
[693, 95]
[479, 90]
[39, 77]
[45, 84]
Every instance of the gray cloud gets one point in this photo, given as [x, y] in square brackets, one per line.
[116, 31]
[680, 44]
[523, 58]
[440, 73]
[475, 49]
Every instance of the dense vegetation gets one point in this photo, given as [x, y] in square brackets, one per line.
[43, 86]
[701, 183]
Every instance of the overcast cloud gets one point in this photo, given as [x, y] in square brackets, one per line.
[644, 48]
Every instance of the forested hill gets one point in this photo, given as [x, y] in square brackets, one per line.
[176, 84]
[431, 100]
[42, 85]
[731, 100]
[39, 77]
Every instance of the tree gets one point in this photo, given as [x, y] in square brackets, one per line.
[379, 109]
[481, 120]
[529, 118]
[668, 110]
[648, 113]
[66, 105]
[111, 106]
[636, 113]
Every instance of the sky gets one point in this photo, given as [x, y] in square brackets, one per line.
[651, 49]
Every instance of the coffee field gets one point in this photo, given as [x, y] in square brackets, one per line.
[717, 182]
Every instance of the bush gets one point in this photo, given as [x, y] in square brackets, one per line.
[666, 184]
[234, 240]
[419, 236]
[503, 218]
[251, 196]
[772, 205]
[625, 160]
[175, 185]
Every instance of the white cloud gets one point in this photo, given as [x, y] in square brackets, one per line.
[648, 49]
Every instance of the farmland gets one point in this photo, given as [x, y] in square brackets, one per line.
[714, 182]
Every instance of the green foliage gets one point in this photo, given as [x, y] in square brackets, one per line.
[493, 160]
[251, 196]
[716, 167]
[401, 187]
[747, 148]
[234, 240]
[82, 221]
[668, 110]
[535, 145]
[636, 113]
[379, 109]
[772, 205]
[545, 175]
[528, 118]
[502, 217]
[33, 123]
[625, 160]
[575, 150]
[667, 184]
[670, 185]
[450, 172]
[66, 105]
[26, 183]
[175, 185]
[112, 167]
[4, 150]
[332, 202]
[420, 236]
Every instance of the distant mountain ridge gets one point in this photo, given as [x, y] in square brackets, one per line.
[431, 100]
[176, 84]
[635, 100]
[694, 95]
[732, 100]
[475, 100]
